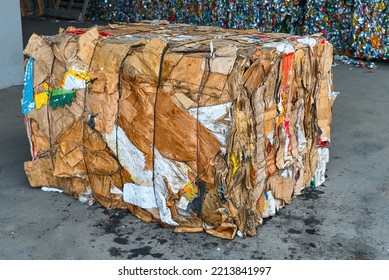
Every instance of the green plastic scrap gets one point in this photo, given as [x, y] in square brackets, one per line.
[313, 182]
[61, 97]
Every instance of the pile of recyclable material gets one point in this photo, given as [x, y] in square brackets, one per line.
[198, 128]
[355, 62]
[357, 28]
[333, 19]
[371, 29]
[267, 16]
[270, 16]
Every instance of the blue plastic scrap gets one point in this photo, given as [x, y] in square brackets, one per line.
[28, 89]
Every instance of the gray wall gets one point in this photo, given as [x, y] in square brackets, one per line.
[11, 45]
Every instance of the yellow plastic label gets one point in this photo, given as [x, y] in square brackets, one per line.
[190, 191]
[77, 74]
[41, 99]
[235, 163]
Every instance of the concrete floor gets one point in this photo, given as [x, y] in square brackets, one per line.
[345, 219]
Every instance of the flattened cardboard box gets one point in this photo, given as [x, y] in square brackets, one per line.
[199, 128]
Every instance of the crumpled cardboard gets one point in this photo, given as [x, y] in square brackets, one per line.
[64, 47]
[41, 50]
[40, 173]
[141, 135]
[282, 187]
[86, 45]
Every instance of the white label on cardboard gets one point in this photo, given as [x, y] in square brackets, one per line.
[115, 190]
[139, 195]
[183, 203]
[47, 189]
[283, 47]
[72, 83]
[302, 141]
[321, 165]
[307, 41]
[134, 161]
[210, 117]
[271, 206]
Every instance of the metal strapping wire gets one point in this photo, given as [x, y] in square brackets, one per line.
[48, 118]
[165, 49]
[87, 90]
[120, 91]
[207, 72]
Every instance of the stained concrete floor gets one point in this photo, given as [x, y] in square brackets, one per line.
[347, 218]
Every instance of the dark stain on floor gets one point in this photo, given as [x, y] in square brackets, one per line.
[115, 252]
[310, 194]
[294, 231]
[311, 231]
[311, 221]
[120, 240]
[143, 251]
[210, 245]
[111, 225]
[265, 221]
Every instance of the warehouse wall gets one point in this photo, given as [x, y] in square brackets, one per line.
[11, 54]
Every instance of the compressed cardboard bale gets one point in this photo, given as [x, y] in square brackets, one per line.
[200, 128]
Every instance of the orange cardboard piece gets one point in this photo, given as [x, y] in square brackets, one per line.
[98, 81]
[40, 49]
[258, 71]
[86, 45]
[41, 142]
[143, 65]
[40, 173]
[74, 157]
[108, 57]
[100, 163]
[186, 75]
[140, 213]
[59, 70]
[104, 107]
[78, 104]
[74, 186]
[127, 110]
[262, 203]
[310, 162]
[71, 138]
[94, 142]
[63, 168]
[101, 189]
[271, 167]
[41, 73]
[325, 98]
[187, 229]
[225, 231]
[281, 187]
[269, 120]
[175, 131]
[64, 47]
[52, 123]
[61, 119]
